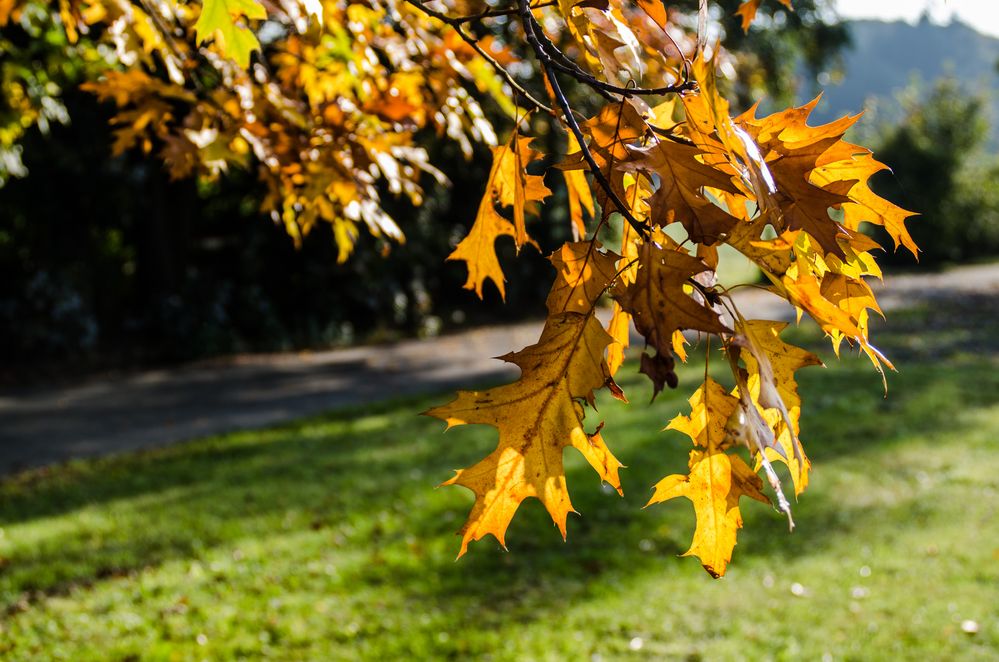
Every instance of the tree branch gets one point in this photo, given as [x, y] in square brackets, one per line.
[493, 13]
[527, 19]
[558, 60]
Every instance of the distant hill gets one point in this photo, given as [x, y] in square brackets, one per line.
[885, 57]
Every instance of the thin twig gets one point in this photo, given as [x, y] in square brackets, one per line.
[456, 25]
[558, 60]
[529, 25]
[494, 13]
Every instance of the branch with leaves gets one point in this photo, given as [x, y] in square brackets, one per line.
[329, 114]
[727, 180]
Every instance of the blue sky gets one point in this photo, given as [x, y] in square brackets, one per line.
[983, 15]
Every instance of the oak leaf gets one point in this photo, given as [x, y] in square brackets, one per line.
[852, 163]
[538, 417]
[680, 197]
[658, 299]
[747, 11]
[771, 364]
[619, 326]
[510, 185]
[584, 273]
[514, 187]
[792, 150]
[716, 479]
[478, 249]
[661, 371]
[580, 197]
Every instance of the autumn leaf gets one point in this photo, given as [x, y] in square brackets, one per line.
[538, 417]
[771, 365]
[514, 187]
[338, 112]
[584, 273]
[715, 483]
[660, 369]
[656, 10]
[6, 10]
[661, 299]
[611, 131]
[478, 249]
[680, 196]
[852, 163]
[716, 479]
[792, 150]
[219, 19]
[509, 185]
[580, 197]
[619, 326]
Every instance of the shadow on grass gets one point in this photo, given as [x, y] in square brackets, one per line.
[363, 481]
[615, 538]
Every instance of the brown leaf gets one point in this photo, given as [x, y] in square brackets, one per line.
[657, 300]
[661, 369]
[680, 196]
[584, 273]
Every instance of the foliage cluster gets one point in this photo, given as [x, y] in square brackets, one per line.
[330, 121]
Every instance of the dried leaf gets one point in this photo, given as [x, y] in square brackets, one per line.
[538, 417]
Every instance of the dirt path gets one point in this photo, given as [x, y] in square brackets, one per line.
[152, 408]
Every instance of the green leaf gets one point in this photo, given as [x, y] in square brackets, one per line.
[218, 20]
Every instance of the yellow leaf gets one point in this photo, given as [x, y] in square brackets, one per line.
[618, 328]
[510, 185]
[538, 416]
[771, 364]
[584, 273]
[715, 483]
[857, 164]
[579, 194]
[514, 187]
[710, 408]
[478, 249]
[218, 20]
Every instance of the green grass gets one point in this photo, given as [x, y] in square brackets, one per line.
[326, 539]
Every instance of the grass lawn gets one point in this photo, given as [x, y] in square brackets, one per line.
[325, 539]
